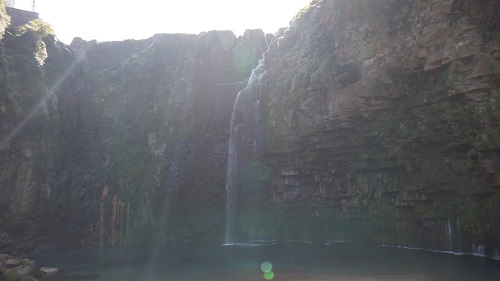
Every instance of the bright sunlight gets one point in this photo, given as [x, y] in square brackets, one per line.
[112, 20]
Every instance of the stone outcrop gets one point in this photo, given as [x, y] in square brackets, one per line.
[17, 269]
[385, 122]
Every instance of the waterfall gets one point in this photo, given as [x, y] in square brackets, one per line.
[478, 250]
[245, 137]
[449, 235]
[398, 232]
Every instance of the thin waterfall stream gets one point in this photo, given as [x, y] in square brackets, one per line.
[245, 138]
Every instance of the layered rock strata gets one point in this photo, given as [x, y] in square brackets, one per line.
[382, 121]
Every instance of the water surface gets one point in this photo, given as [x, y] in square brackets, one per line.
[290, 261]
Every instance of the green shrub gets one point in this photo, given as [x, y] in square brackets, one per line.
[4, 19]
[38, 30]
[38, 27]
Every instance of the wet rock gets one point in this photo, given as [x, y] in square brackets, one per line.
[49, 273]
[28, 263]
[16, 269]
[12, 262]
[24, 271]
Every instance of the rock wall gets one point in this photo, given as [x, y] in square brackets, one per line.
[45, 173]
[161, 109]
[384, 126]
[117, 142]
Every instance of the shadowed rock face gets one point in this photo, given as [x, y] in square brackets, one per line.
[380, 117]
[384, 115]
[145, 121]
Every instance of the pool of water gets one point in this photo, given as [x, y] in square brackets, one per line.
[289, 260]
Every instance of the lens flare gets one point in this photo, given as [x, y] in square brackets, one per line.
[266, 266]
[269, 275]
[4, 143]
[244, 58]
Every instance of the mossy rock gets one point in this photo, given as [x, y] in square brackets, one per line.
[11, 275]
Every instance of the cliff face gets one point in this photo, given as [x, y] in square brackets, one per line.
[160, 109]
[33, 144]
[117, 142]
[385, 122]
[379, 119]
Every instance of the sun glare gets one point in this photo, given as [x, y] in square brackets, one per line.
[119, 20]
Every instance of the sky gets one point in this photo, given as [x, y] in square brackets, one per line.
[111, 20]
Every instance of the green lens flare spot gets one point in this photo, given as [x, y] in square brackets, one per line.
[244, 58]
[269, 275]
[266, 266]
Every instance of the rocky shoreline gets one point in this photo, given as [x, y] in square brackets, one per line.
[22, 269]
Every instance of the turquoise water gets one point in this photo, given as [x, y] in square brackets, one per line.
[290, 261]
